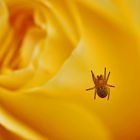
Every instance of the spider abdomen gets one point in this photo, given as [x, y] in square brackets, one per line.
[102, 92]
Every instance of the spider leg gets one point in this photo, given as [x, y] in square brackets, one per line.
[110, 85]
[107, 76]
[90, 88]
[95, 95]
[93, 76]
[105, 73]
[108, 94]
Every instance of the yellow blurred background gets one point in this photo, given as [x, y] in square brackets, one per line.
[47, 50]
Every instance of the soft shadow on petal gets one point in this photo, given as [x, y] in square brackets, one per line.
[5, 134]
[3, 19]
[13, 128]
[15, 80]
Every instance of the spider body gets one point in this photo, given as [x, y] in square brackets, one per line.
[102, 92]
[101, 86]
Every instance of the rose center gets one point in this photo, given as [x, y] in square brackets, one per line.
[20, 20]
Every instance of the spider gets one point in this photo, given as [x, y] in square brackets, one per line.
[101, 86]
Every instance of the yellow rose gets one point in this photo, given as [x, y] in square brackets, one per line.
[47, 49]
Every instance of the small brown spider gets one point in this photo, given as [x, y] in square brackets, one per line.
[101, 87]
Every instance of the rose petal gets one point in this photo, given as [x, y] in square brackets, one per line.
[56, 119]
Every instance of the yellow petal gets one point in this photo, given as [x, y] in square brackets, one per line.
[12, 128]
[53, 118]
[6, 134]
[108, 36]
[15, 80]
